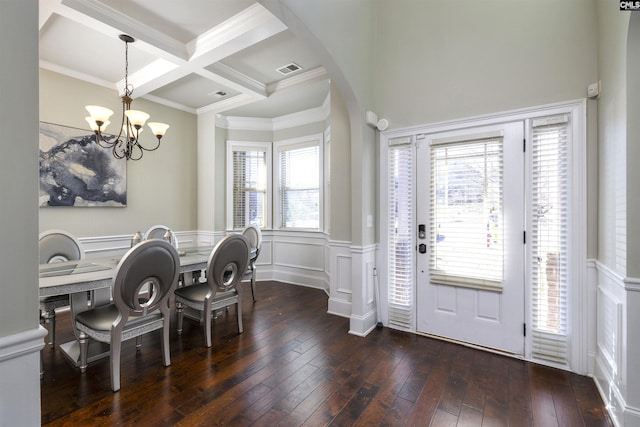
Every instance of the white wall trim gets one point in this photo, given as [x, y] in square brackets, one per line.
[102, 246]
[20, 373]
[363, 310]
[21, 344]
[614, 369]
[340, 283]
[300, 118]
[632, 284]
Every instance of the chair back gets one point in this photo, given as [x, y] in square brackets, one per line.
[59, 246]
[154, 264]
[228, 262]
[254, 235]
[158, 232]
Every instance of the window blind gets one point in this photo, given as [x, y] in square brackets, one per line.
[466, 219]
[549, 238]
[299, 186]
[249, 188]
[400, 234]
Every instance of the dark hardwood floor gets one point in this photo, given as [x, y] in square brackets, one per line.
[296, 365]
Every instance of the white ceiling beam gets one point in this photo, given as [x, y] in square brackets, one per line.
[46, 8]
[113, 22]
[244, 29]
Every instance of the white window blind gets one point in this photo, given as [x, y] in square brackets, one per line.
[400, 235]
[549, 238]
[299, 186]
[466, 213]
[249, 188]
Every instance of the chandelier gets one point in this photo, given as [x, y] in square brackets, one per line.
[126, 145]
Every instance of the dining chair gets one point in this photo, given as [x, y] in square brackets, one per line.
[254, 235]
[154, 265]
[225, 268]
[56, 246]
[165, 233]
[161, 232]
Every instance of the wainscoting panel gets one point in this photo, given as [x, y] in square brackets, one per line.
[298, 254]
[609, 335]
[340, 278]
[616, 372]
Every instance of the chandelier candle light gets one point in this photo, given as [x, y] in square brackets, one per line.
[126, 145]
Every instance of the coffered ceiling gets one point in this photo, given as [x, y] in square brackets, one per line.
[217, 56]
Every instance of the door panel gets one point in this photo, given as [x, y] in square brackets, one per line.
[470, 282]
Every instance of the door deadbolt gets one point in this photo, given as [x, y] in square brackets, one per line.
[422, 248]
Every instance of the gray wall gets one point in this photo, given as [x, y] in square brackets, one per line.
[19, 335]
[633, 146]
[612, 137]
[19, 167]
[439, 61]
[161, 187]
[340, 170]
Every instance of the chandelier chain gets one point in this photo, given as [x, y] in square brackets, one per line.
[127, 91]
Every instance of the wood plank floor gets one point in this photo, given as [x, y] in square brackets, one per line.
[296, 365]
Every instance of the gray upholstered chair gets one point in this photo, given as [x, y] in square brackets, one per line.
[161, 232]
[225, 268]
[254, 235]
[56, 246]
[165, 233]
[154, 265]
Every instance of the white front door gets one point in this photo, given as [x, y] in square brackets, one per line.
[470, 230]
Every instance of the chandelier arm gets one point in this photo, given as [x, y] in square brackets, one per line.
[99, 139]
[136, 147]
[119, 152]
[149, 149]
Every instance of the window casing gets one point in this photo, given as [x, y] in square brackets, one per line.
[248, 184]
[289, 185]
[400, 232]
[550, 209]
[299, 183]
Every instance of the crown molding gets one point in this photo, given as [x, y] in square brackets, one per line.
[312, 115]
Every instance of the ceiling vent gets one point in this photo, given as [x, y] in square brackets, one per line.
[288, 69]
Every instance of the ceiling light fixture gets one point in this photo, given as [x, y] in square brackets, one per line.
[126, 145]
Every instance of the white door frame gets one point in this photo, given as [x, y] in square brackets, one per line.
[580, 297]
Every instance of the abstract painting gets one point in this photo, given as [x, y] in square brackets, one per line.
[76, 171]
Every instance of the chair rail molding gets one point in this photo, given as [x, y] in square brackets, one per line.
[20, 373]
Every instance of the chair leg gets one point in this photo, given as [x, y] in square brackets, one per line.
[253, 283]
[52, 329]
[239, 312]
[166, 356]
[180, 313]
[138, 342]
[83, 339]
[114, 355]
[207, 326]
[50, 318]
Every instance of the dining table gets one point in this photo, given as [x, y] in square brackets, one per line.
[88, 282]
